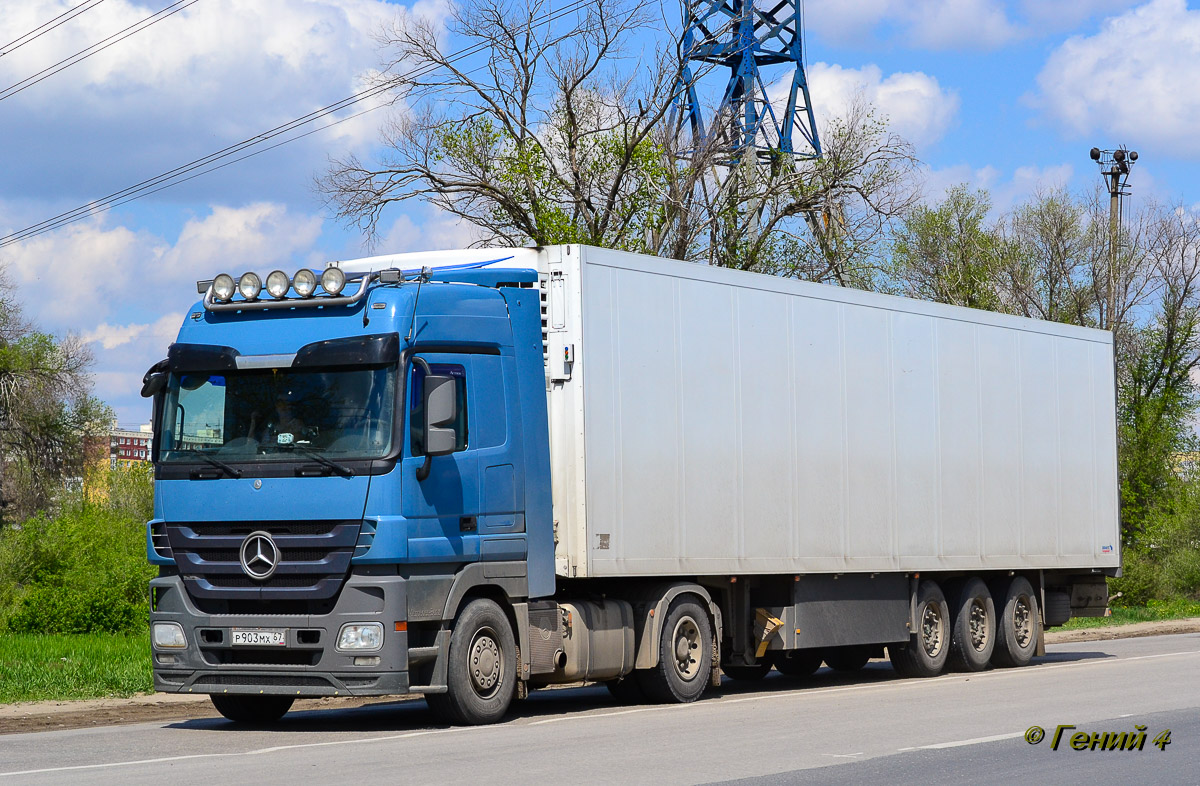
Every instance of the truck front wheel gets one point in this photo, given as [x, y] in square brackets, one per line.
[482, 671]
[684, 655]
[925, 653]
[252, 709]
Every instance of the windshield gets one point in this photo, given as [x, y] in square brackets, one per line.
[279, 414]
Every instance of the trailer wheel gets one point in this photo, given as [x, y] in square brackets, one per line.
[481, 676]
[743, 673]
[252, 709]
[1019, 625]
[684, 655]
[847, 659]
[925, 653]
[973, 639]
[797, 663]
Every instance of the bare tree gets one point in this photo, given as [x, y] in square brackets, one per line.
[561, 129]
[46, 411]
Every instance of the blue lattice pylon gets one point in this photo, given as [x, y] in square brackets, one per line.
[745, 38]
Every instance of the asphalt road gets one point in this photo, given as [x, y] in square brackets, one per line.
[833, 729]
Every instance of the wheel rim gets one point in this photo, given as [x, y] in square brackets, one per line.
[686, 639]
[932, 630]
[978, 624]
[486, 663]
[1022, 622]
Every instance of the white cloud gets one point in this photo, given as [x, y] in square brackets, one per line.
[1005, 190]
[933, 24]
[918, 108]
[1134, 81]
[1067, 14]
[113, 336]
[211, 75]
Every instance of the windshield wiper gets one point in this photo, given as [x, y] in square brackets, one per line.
[316, 455]
[234, 471]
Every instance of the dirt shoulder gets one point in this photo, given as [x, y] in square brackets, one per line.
[58, 715]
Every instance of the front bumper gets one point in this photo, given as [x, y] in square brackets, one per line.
[308, 664]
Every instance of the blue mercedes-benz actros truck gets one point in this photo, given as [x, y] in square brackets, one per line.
[469, 474]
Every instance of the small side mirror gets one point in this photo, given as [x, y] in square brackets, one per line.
[441, 410]
[155, 379]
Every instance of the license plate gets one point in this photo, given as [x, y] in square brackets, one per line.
[259, 637]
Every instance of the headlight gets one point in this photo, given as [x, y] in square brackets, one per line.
[361, 637]
[304, 282]
[278, 284]
[223, 287]
[169, 635]
[333, 280]
[250, 285]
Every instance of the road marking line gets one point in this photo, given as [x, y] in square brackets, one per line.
[842, 755]
[255, 752]
[975, 741]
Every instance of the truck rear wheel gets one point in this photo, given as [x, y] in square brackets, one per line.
[925, 653]
[481, 675]
[1019, 624]
[797, 663]
[684, 655]
[973, 639]
[252, 709]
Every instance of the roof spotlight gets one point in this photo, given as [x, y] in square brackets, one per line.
[278, 284]
[333, 280]
[304, 282]
[223, 287]
[250, 285]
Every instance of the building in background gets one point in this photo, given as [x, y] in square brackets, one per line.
[127, 445]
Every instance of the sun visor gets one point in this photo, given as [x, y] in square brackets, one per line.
[379, 349]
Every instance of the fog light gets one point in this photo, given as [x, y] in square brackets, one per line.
[278, 284]
[250, 285]
[304, 282]
[223, 287]
[169, 635]
[366, 660]
[362, 636]
[164, 659]
[333, 280]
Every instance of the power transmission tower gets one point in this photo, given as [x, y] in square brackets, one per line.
[750, 134]
[748, 40]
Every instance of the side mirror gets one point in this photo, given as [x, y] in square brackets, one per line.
[441, 410]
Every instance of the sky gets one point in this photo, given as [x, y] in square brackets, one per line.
[1007, 96]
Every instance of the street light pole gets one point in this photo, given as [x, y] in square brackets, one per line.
[1114, 170]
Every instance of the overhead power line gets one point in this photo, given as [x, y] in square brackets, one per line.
[218, 160]
[96, 48]
[46, 27]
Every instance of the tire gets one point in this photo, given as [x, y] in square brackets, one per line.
[684, 655]
[252, 709]
[481, 676]
[797, 663]
[627, 690]
[1058, 608]
[925, 653]
[847, 659]
[1018, 626]
[973, 627]
[747, 673]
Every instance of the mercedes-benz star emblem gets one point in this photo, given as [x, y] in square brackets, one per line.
[259, 555]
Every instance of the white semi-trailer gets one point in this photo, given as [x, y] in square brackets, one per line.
[636, 470]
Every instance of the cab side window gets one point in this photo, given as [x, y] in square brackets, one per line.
[416, 399]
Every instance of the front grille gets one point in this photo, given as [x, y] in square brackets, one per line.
[271, 657]
[314, 559]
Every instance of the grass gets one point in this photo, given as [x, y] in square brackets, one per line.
[1127, 615]
[78, 666]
